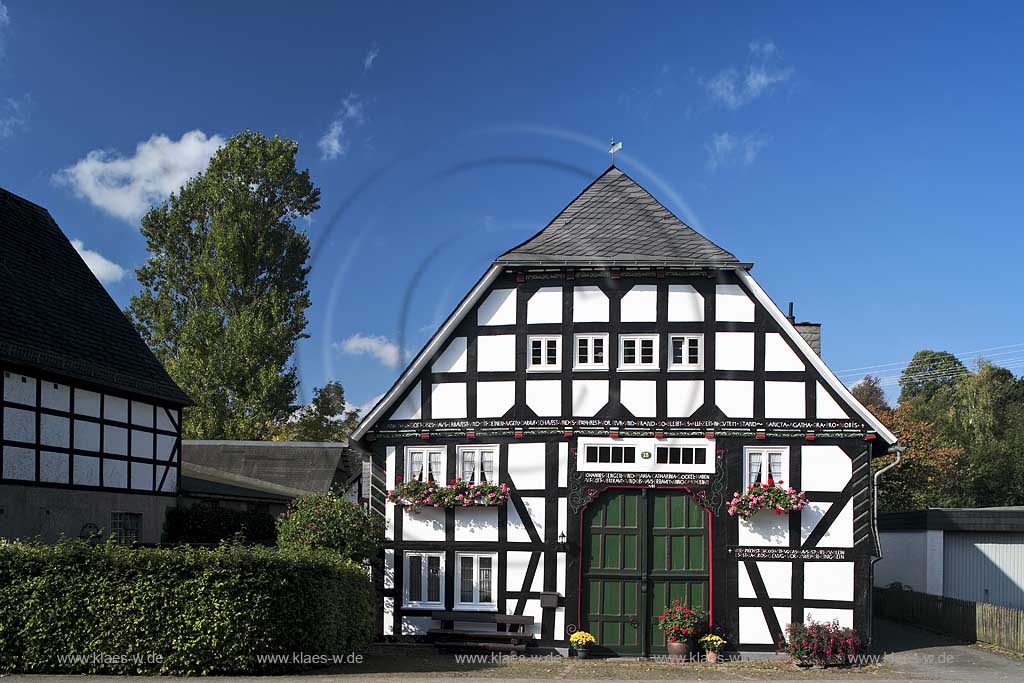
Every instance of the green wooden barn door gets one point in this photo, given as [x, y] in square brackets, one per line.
[645, 549]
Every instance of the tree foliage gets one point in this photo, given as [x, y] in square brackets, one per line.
[326, 418]
[927, 373]
[224, 291]
[870, 394]
[326, 520]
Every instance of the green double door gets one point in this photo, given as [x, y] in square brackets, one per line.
[647, 548]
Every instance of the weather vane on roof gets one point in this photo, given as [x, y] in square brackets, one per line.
[616, 146]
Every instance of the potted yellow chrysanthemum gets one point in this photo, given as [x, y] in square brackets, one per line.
[712, 645]
[581, 642]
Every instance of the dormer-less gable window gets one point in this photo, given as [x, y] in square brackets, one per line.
[544, 354]
[686, 352]
[638, 352]
[591, 352]
[425, 464]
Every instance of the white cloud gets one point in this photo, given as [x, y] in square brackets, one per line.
[379, 346]
[126, 187]
[5, 21]
[333, 143]
[365, 407]
[370, 58]
[728, 149]
[105, 270]
[14, 115]
[737, 87]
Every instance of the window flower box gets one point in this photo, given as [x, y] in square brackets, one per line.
[415, 494]
[769, 496]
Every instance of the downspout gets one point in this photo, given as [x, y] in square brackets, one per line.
[898, 450]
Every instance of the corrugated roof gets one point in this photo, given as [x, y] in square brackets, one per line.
[615, 220]
[56, 316]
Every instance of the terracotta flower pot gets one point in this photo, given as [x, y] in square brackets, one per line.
[712, 658]
[678, 650]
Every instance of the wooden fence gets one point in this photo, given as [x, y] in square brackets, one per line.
[974, 622]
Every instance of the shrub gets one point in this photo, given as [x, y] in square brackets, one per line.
[325, 520]
[204, 523]
[822, 643]
[183, 611]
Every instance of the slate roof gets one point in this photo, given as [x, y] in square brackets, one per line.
[615, 220]
[55, 315]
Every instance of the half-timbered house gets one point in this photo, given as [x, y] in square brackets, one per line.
[624, 375]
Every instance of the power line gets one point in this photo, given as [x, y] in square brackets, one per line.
[965, 354]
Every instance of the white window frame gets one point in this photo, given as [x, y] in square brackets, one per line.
[439, 476]
[644, 447]
[638, 365]
[461, 470]
[424, 575]
[764, 452]
[589, 364]
[545, 340]
[126, 526]
[476, 604]
[686, 364]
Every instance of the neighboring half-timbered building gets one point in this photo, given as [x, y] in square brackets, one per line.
[624, 375]
[91, 422]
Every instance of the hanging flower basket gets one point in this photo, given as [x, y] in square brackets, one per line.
[770, 496]
[458, 493]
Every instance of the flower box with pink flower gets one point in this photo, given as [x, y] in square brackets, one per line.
[772, 496]
[415, 494]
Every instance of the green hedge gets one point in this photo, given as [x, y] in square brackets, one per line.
[205, 523]
[201, 611]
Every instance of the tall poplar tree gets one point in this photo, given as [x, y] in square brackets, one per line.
[224, 291]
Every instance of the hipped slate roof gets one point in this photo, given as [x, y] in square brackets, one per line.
[56, 317]
[615, 221]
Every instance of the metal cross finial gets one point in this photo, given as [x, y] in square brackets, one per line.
[616, 146]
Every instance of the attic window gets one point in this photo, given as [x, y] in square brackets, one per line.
[544, 354]
[685, 352]
[638, 352]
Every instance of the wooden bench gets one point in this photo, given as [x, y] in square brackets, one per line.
[512, 639]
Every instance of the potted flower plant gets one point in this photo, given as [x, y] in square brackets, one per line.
[821, 644]
[581, 642]
[768, 496]
[679, 623]
[712, 644]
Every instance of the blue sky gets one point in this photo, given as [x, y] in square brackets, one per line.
[865, 158]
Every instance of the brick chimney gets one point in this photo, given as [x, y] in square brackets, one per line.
[811, 332]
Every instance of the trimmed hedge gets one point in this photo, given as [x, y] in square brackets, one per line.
[205, 523]
[202, 611]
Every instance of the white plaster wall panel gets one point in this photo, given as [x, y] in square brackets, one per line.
[164, 446]
[828, 581]
[19, 425]
[824, 468]
[563, 463]
[526, 465]
[476, 523]
[448, 401]
[115, 474]
[54, 431]
[810, 516]
[685, 304]
[777, 578]
[824, 614]
[589, 305]
[734, 350]
[87, 435]
[778, 356]
[410, 408]
[171, 480]
[545, 306]
[735, 397]
[516, 529]
[827, 408]
[544, 397]
[115, 440]
[516, 564]
[389, 616]
[19, 463]
[453, 358]
[161, 481]
[142, 476]
[563, 517]
[753, 627]
[496, 353]
[533, 609]
[589, 396]
[538, 578]
[640, 304]
[560, 574]
[55, 396]
[499, 308]
[389, 568]
[19, 388]
[765, 529]
[88, 403]
[840, 533]
[389, 484]
[142, 444]
[425, 525]
[785, 400]
[115, 408]
[559, 623]
[733, 305]
[683, 397]
[166, 419]
[535, 507]
[494, 399]
[87, 470]
[142, 414]
[639, 397]
[416, 626]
